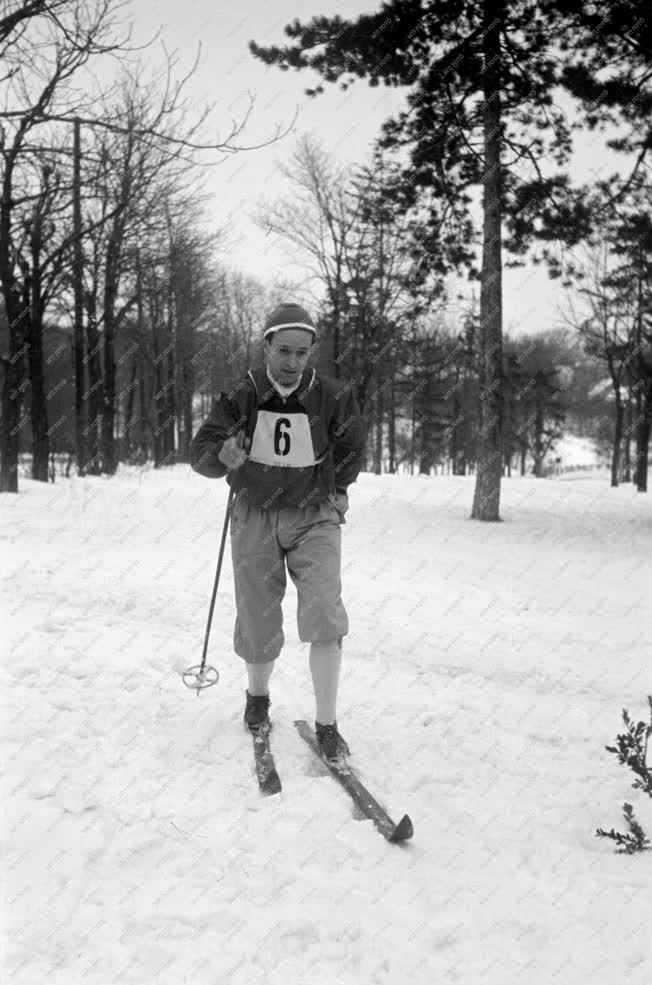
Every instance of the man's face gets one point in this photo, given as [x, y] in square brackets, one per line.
[287, 353]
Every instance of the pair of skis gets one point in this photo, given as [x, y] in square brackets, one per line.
[270, 782]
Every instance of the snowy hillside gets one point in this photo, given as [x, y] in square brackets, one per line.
[486, 668]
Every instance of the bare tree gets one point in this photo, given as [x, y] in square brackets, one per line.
[607, 324]
[18, 14]
[41, 257]
[42, 54]
[349, 231]
[317, 218]
[151, 137]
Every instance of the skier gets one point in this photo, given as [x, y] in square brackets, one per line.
[290, 442]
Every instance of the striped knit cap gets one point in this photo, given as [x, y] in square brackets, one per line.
[288, 315]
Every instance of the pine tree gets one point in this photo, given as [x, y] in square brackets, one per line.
[480, 112]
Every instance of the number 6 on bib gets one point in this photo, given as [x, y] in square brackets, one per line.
[283, 440]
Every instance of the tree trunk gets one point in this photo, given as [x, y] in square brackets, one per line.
[627, 446]
[127, 451]
[639, 411]
[12, 390]
[78, 293]
[508, 435]
[391, 427]
[93, 397]
[486, 500]
[413, 436]
[185, 420]
[378, 429]
[159, 389]
[426, 462]
[643, 390]
[184, 348]
[618, 433]
[457, 431]
[337, 367]
[470, 402]
[109, 462]
[137, 424]
[169, 400]
[146, 447]
[39, 413]
[18, 318]
[643, 439]
[538, 439]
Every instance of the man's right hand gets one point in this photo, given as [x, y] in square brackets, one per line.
[231, 453]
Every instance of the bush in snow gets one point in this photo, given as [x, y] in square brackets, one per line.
[634, 841]
[631, 750]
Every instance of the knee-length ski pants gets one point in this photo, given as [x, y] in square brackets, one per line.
[307, 539]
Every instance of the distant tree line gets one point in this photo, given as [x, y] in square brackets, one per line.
[122, 322]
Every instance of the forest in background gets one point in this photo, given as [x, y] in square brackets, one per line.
[122, 319]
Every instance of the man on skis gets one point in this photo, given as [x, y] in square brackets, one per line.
[290, 442]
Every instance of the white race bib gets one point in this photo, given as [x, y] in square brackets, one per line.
[283, 440]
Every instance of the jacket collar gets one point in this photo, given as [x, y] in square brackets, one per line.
[265, 389]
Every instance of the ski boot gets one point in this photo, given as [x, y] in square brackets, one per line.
[331, 744]
[256, 714]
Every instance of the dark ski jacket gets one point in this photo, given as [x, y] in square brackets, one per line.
[302, 448]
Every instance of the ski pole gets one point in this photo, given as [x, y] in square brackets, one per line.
[199, 677]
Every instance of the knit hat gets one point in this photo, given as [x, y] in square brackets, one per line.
[288, 315]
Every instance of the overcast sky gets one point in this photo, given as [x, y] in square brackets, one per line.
[346, 122]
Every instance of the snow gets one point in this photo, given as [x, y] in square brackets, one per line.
[576, 452]
[486, 669]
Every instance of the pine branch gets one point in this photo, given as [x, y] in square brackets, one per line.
[631, 750]
[634, 841]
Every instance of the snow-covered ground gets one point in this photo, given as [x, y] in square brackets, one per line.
[486, 668]
[576, 452]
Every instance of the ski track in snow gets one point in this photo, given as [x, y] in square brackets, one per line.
[486, 668]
